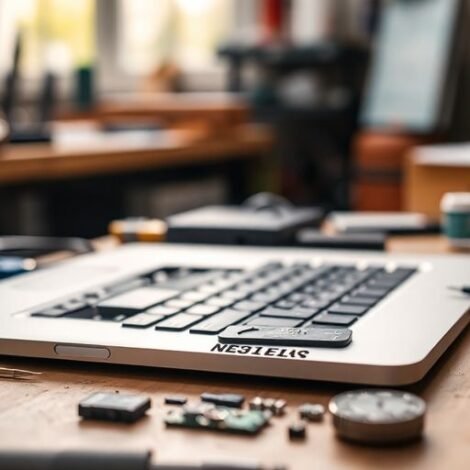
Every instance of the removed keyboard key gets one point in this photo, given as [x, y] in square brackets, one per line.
[309, 337]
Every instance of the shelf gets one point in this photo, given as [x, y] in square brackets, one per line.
[289, 56]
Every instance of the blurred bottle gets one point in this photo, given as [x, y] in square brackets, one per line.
[4, 130]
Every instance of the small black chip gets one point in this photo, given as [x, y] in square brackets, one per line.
[231, 400]
[178, 400]
[297, 431]
[114, 407]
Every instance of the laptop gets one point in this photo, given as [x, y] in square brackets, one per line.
[353, 317]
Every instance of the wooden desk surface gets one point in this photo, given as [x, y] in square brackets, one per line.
[39, 162]
[42, 414]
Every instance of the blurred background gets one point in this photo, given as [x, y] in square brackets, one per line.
[126, 108]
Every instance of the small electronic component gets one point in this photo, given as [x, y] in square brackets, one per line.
[178, 400]
[231, 400]
[372, 416]
[256, 404]
[268, 404]
[279, 407]
[114, 407]
[210, 417]
[276, 407]
[297, 431]
[311, 411]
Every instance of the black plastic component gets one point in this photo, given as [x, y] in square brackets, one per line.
[285, 336]
[357, 241]
[178, 400]
[241, 225]
[74, 460]
[297, 431]
[114, 407]
[231, 400]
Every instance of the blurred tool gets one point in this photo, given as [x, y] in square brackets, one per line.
[18, 253]
[14, 265]
[463, 289]
[138, 229]
[352, 241]
[264, 219]
[92, 460]
[6, 373]
[400, 223]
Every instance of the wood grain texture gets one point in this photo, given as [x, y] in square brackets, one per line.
[42, 414]
[43, 162]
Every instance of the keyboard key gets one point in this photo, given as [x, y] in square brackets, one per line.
[208, 289]
[73, 305]
[315, 303]
[249, 287]
[220, 301]
[134, 301]
[234, 294]
[203, 309]
[374, 293]
[298, 297]
[195, 296]
[188, 281]
[53, 312]
[383, 284]
[402, 272]
[296, 313]
[126, 286]
[271, 321]
[219, 322]
[264, 297]
[286, 304]
[348, 309]
[179, 303]
[249, 306]
[162, 310]
[331, 319]
[353, 300]
[93, 297]
[178, 322]
[142, 320]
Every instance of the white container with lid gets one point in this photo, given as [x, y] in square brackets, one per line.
[455, 208]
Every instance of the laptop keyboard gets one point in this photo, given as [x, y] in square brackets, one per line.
[206, 302]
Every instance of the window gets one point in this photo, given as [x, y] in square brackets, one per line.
[56, 35]
[126, 39]
[187, 32]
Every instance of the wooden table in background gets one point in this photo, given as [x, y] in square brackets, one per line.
[27, 163]
[42, 414]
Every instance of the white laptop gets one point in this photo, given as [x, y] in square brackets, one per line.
[294, 313]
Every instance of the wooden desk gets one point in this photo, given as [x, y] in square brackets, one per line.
[42, 414]
[42, 162]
